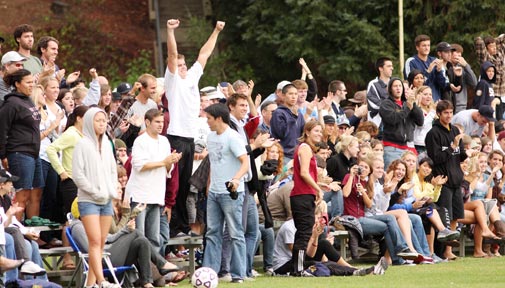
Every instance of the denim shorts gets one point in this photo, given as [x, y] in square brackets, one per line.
[28, 169]
[88, 208]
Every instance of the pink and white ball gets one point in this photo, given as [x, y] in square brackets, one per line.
[204, 277]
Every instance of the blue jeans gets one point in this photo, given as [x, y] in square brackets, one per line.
[49, 203]
[268, 238]
[10, 252]
[221, 210]
[33, 250]
[251, 231]
[385, 225]
[27, 168]
[150, 215]
[418, 235]
[335, 199]
[391, 154]
[164, 231]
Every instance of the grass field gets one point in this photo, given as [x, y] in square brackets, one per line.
[464, 272]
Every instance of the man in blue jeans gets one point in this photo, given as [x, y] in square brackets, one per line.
[228, 165]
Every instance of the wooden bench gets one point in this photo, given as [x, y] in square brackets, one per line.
[53, 257]
[190, 243]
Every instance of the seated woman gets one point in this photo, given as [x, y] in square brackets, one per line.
[478, 188]
[318, 250]
[410, 224]
[123, 237]
[358, 191]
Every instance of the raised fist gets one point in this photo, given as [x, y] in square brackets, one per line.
[220, 25]
[173, 23]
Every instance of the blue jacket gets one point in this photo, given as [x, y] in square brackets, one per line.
[435, 80]
[287, 127]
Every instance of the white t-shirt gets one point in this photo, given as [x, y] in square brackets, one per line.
[285, 236]
[465, 118]
[140, 110]
[224, 150]
[202, 130]
[183, 101]
[51, 137]
[148, 186]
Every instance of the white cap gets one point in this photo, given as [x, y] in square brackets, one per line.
[211, 92]
[282, 84]
[12, 56]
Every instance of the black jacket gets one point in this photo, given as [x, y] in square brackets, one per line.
[399, 122]
[19, 126]
[446, 160]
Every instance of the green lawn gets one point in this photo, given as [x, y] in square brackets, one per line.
[464, 272]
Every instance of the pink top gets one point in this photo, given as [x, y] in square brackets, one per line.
[301, 187]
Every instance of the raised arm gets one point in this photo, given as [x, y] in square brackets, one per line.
[208, 47]
[172, 24]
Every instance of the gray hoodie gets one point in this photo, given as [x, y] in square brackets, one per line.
[94, 173]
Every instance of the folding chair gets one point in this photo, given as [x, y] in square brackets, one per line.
[129, 273]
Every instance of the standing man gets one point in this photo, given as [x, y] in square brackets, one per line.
[228, 165]
[430, 66]
[267, 110]
[181, 86]
[445, 148]
[11, 62]
[460, 99]
[337, 92]
[287, 123]
[152, 162]
[377, 90]
[23, 34]
[144, 100]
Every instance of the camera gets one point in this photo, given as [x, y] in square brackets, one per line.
[229, 186]
[360, 171]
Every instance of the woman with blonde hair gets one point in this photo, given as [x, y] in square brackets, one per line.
[347, 152]
[424, 100]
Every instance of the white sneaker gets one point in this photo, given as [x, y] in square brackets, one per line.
[107, 284]
[255, 273]
[30, 268]
[225, 278]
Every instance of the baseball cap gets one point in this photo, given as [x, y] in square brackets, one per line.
[5, 176]
[328, 119]
[211, 92]
[282, 84]
[343, 121]
[123, 88]
[359, 97]
[12, 56]
[444, 46]
[116, 96]
[487, 111]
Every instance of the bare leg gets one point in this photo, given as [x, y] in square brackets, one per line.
[96, 240]
[436, 221]
[431, 239]
[22, 197]
[33, 206]
[448, 249]
[480, 218]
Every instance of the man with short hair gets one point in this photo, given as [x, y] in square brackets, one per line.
[23, 35]
[337, 92]
[228, 166]
[144, 100]
[493, 50]
[181, 86]
[445, 148]
[152, 162]
[287, 123]
[267, 110]
[475, 122]
[11, 62]
[460, 99]
[377, 89]
[277, 95]
[430, 66]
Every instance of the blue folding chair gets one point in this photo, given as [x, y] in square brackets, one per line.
[129, 274]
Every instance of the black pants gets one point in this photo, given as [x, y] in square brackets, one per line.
[303, 209]
[186, 146]
[324, 248]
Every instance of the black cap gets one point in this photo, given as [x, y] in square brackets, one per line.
[328, 119]
[5, 176]
[443, 46]
[487, 111]
[124, 88]
[116, 96]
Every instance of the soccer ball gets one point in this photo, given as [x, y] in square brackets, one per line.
[204, 277]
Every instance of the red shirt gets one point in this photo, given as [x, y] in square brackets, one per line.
[354, 204]
[300, 186]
